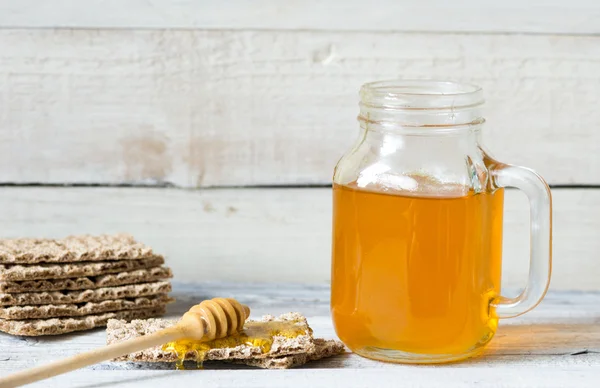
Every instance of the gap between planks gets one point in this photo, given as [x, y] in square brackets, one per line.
[554, 17]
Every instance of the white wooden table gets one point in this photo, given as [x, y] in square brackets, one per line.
[556, 345]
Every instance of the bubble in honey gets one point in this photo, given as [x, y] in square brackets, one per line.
[179, 363]
[255, 334]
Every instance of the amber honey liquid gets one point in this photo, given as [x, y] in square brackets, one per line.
[415, 274]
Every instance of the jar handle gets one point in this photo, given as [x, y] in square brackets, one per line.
[540, 245]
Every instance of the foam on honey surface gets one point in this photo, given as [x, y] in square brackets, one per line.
[255, 334]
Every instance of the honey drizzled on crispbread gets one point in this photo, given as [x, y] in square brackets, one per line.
[255, 334]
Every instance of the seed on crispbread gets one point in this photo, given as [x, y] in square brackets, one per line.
[119, 330]
[72, 249]
[83, 283]
[323, 349]
[289, 353]
[20, 272]
[81, 296]
[54, 326]
[78, 310]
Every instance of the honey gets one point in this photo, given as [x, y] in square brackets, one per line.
[415, 274]
[254, 334]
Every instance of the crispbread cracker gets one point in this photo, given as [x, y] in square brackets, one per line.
[19, 272]
[54, 326]
[323, 349]
[119, 331]
[89, 308]
[72, 249]
[81, 296]
[92, 282]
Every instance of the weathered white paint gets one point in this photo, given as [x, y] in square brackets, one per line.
[556, 16]
[535, 350]
[274, 235]
[220, 108]
[494, 376]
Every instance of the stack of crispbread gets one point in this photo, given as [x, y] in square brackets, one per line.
[284, 352]
[50, 287]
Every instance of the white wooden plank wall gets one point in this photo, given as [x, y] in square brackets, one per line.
[199, 94]
[226, 108]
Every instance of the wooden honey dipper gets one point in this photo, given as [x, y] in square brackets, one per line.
[209, 320]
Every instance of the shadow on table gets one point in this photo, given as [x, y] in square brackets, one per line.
[189, 365]
[334, 362]
[547, 339]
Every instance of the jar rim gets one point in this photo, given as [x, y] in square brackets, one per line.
[421, 94]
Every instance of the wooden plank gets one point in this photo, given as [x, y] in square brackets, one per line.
[230, 108]
[544, 348]
[557, 16]
[274, 235]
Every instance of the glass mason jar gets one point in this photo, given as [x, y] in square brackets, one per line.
[417, 227]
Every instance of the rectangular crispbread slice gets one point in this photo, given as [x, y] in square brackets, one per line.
[78, 310]
[91, 282]
[55, 326]
[19, 272]
[323, 349]
[72, 249]
[81, 296]
[119, 331]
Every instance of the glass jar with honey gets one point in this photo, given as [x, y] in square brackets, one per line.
[417, 227]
